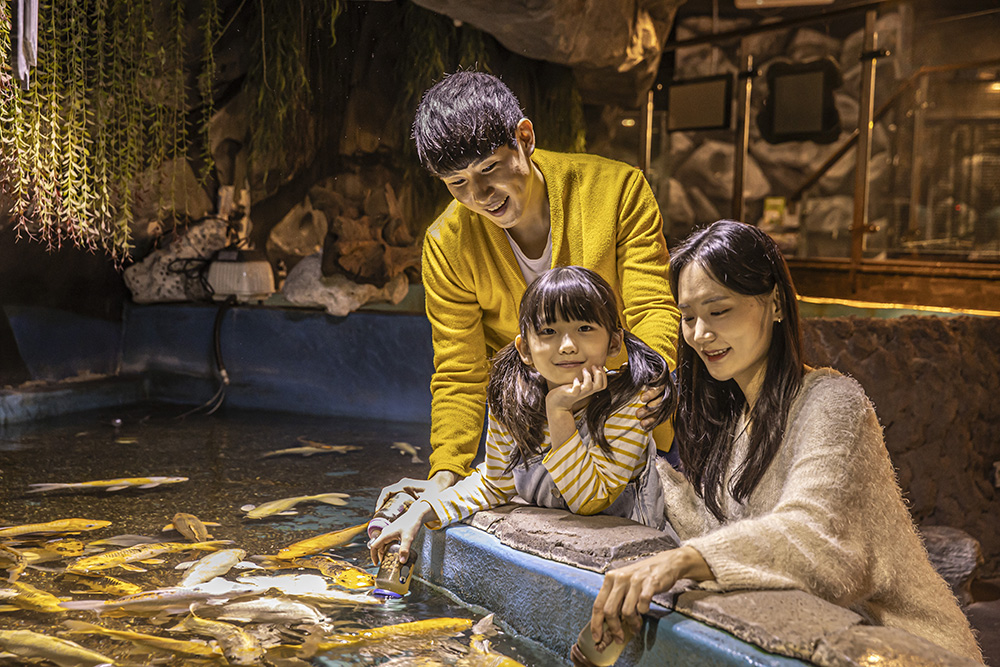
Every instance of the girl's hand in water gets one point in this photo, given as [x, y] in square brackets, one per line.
[627, 591]
[403, 530]
[564, 397]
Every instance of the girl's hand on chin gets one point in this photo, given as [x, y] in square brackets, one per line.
[564, 397]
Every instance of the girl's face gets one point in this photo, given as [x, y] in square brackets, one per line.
[562, 349]
[731, 332]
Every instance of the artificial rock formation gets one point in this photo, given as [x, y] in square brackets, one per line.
[613, 47]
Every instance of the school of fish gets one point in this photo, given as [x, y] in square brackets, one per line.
[225, 608]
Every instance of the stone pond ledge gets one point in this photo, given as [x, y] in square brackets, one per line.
[789, 623]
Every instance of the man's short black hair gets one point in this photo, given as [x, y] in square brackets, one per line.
[464, 118]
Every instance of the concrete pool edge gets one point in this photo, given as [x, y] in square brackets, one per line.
[550, 602]
[540, 569]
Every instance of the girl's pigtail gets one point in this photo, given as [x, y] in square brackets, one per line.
[645, 367]
[516, 398]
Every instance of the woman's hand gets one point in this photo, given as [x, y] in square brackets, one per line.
[627, 591]
[403, 530]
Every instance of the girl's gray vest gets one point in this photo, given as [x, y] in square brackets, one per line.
[641, 500]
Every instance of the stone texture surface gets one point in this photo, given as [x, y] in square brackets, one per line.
[934, 383]
[613, 47]
[789, 623]
[590, 542]
[306, 286]
[864, 645]
[161, 276]
[956, 556]
[985, 620]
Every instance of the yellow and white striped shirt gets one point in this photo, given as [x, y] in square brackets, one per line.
[587, 479]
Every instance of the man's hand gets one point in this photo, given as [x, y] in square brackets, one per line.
[655, 411]
[441, 480]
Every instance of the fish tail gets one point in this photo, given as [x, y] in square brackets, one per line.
[82, 626]
[331, 498]
[47, 486]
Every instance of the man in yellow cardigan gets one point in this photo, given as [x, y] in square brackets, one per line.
[517, 212]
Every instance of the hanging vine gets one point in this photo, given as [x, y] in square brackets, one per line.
[107, 103]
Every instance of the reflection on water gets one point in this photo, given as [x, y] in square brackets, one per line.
[222, 457]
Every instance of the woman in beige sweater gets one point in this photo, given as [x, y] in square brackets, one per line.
[786, 480]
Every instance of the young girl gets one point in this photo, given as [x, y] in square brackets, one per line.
[562, 431]
[786, 479]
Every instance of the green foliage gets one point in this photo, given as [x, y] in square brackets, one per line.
[107, 102]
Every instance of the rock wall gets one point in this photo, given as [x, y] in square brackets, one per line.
[934, 382]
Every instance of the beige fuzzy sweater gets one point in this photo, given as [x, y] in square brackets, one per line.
[827, 518]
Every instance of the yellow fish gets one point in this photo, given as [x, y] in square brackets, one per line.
[33, 599]
[433, 626]
[341, 572]
[13, 561]
[277, 506]
[108, 585]
[314, 545]
[407, 448]
[190, 527]
[150, 641]
[239, 647]
[310, 448]
[57, 526]
[142, 552]
[34, 645]
[107, 484]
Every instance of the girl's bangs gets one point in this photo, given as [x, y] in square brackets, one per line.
[572, 300]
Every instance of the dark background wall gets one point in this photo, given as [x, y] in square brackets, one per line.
[934, 382]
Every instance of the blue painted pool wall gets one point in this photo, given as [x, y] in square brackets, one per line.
[57, 344]
[551, 602]
[371, 365]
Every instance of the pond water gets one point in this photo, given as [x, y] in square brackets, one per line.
[222, 457]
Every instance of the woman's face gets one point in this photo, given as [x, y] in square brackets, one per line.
[730, 332]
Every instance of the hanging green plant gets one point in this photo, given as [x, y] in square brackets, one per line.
[107, 103]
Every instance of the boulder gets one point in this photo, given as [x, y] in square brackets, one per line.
[306, 286]
[613, 47]
[173, 273]
[955, 555]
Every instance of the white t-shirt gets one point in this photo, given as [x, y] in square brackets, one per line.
[532, 268]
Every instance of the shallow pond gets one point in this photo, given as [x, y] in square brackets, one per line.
[222, 457]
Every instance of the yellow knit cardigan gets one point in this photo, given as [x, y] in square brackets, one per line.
[604, 217]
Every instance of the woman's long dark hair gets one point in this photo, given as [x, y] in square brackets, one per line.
[516, 391]
[747, 261]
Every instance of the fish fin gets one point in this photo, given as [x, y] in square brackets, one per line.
[141, 486]
[185, 565]
[9, 607]
[131, 568]
[47, 486]
[167, 527]
[119, 487]
[416, 459]
[153, 561]
[211, 523]
[245, 508]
